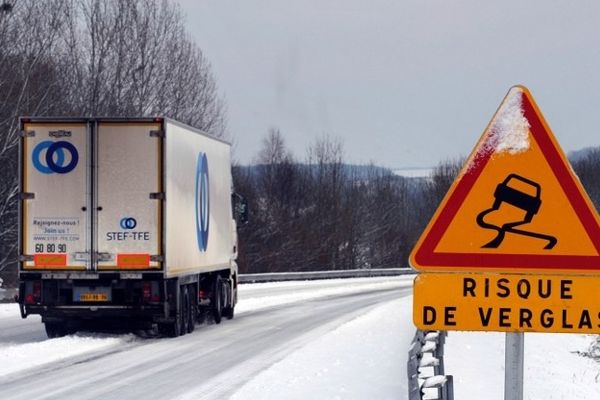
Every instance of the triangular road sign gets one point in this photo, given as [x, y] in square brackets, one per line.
[515, 206]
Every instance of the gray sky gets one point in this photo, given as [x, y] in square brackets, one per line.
[404, 83]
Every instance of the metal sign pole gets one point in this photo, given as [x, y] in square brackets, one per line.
[513, 366]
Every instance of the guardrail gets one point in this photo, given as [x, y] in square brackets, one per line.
[8, 294]
[303, 276]
[425, 368]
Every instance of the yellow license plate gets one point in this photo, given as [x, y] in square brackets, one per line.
[93, 297]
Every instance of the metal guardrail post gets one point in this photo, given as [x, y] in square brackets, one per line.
[449, 388]
[431, 342]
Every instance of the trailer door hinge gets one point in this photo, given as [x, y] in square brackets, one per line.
[157, 258]
[157, 196]
[25, 258]
[26, 134]
[103, 257]
[26, 196]
[157, 134]
[81, 256]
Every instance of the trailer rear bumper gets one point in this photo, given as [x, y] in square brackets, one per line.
[153, 313]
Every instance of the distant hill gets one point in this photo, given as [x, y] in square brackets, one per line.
[352, 170]
[581, 154]
[414, 172]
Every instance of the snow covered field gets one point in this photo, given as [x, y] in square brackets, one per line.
[554, 368]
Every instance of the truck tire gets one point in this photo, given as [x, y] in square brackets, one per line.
[217, 300]
[184, 315]
[56, 329]
[228, 311]
[192, 310]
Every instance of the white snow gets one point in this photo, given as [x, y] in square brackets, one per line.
[16, 357]
[9, 310]
[263, 295]
[553, 367]
[19, 357]
[509, 130]
[362, 359]
[435, 381]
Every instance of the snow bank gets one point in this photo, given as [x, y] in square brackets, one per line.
[362, 359]
[553, 367]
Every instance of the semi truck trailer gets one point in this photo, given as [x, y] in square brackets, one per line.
[125, 222]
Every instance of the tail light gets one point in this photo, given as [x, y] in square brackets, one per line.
[150, 292]
[36, 293]
[201, 294]
[147, 291]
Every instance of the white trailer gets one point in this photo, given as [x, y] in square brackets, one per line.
[125, 220]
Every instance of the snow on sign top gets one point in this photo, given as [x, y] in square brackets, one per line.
[509, 130]
[516, 205]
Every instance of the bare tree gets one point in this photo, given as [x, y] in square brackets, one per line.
[95, 57]
[134, 57]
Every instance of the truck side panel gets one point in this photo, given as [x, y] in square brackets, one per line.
[198, 206]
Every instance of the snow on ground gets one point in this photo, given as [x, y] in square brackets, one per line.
[362, 359]
[257, 296]
[553, 368]
[9, 310]
[19, 357]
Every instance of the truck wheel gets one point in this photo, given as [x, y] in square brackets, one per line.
[192, 312]
[184, 315]
[56, 329]
[229, 310]
[217, 300]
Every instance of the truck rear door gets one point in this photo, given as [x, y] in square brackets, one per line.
[55, 202]
[129, 195]
[91, 195]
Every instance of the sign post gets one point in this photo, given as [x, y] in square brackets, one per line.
[513, 366]
[515, 244]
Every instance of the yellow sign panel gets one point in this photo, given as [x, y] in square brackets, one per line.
[516, 205]
[507, 303]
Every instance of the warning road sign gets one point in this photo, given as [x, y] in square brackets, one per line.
[516, 205]
[507, 303]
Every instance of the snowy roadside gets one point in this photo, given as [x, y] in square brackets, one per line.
[17, 357]
[553, 367]
[257, 296]
[20, 357]
[362, 359]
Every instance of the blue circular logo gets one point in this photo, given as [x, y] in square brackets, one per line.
[202, 202]
[54, 160]
[128, 223]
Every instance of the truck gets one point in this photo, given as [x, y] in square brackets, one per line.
[126, 222]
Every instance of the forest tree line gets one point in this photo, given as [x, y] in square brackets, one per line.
[320, 213]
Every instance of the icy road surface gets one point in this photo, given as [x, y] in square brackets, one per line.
[274, 324]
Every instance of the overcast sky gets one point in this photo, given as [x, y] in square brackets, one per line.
[404, 83]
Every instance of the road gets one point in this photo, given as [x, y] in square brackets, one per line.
[213, 361]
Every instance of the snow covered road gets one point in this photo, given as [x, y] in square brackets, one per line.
[274, 321]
